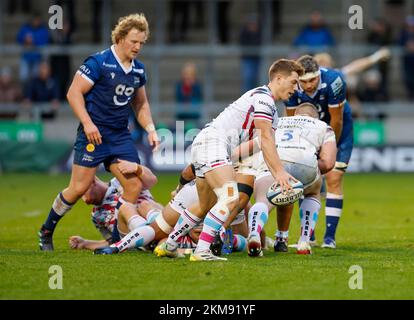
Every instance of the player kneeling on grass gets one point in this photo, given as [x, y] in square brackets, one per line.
[299, 139]
[105, 196]
[185, 196]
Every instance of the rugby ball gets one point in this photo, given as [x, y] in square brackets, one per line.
[276, 197]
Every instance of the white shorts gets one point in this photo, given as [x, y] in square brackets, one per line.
[210, 150]
[186, 197]
[305, 174]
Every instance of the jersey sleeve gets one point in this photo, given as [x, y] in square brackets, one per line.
[90, 70]
[264, 107]
[336, 92]
[143, 79]
[142, 74]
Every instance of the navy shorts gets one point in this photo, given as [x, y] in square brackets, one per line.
[346, 142]
[116, 144]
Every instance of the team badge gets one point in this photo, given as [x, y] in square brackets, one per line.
[90, 147]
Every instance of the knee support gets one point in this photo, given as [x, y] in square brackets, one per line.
[163, 225]
[226, 195]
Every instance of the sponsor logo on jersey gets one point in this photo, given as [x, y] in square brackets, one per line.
[90, 147]
[265, 104]
[87, 158]
[112, 75]
[136, 80]
[109, 65]
[140, 71]
[337, 85]
[84, 69]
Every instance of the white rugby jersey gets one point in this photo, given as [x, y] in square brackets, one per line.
[299, 139]
[237, 120]
[105, 212]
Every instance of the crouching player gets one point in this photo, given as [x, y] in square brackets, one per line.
[105, 196]
[326, 89]
[299, 139]
[186, 197]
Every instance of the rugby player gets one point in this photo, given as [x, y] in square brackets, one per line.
[299, 140]
[104, 196]
[185, 198]
[326, 89]
[210, 154]
[103, 89]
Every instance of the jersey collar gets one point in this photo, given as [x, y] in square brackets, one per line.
[126, 70]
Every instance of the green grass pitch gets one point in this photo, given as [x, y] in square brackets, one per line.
[376, 232]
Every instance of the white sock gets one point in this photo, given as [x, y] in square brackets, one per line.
[185, 223]
[135, 221]
[212, 224]
[152, 214]
[257, 217]
[138, 237]
[309, 211]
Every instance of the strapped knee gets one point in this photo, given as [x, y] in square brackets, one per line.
[227, 194]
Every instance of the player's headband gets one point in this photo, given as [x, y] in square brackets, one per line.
[310, 75]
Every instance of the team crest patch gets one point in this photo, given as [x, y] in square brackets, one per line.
[90, 147]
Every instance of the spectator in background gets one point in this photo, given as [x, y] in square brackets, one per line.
[250, 39]
[10, 91]
[43, 89]
[32, 36]
[316, 34]
[188, 94]
[380, 35]
[407, 42]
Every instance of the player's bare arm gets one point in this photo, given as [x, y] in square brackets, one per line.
[336, 122]
[146, 176]
[359, 65]
[327, 157]
[75, 96]
[143, 113]
[270, 155]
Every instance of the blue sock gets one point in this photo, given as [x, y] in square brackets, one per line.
[52, 220]
[333, 211]
[115, 233]
[331, 225]
[59, 208]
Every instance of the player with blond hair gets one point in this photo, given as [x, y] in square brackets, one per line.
[103, 90]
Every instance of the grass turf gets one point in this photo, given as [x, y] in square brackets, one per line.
[376, 232]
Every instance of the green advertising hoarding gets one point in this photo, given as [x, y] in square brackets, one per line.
[369, 133]
[21, 131]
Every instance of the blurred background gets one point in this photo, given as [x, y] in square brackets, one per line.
[202, 55]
